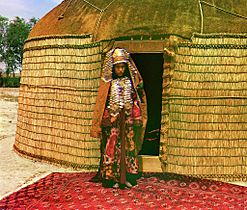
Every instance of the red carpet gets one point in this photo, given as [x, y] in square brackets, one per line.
[154, 191]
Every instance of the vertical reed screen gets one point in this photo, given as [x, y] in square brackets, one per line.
[205, 112]
[59, 84]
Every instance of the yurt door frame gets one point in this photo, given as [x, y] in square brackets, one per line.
[150, 66]
[148, 163]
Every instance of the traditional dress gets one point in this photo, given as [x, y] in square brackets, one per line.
[121, 140]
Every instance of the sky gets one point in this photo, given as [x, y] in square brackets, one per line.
[26, 8]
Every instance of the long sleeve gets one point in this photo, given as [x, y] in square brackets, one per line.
[99, 109]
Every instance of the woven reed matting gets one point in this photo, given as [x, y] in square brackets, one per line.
[204, 112]
[59, 84]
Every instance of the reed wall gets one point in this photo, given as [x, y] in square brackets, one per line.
[59, 84]
[204, 117]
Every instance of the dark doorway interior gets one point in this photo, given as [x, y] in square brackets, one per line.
[150, 65]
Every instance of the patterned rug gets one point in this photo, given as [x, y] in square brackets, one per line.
[154, 191]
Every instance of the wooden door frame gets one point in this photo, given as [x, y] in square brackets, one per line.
[147, 163]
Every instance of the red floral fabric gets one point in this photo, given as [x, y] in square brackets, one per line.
[111, 143]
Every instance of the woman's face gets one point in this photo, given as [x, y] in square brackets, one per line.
[119, 69]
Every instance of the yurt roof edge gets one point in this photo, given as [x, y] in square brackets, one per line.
[213, 46]
[140, 37]
[55, 36]
[121, 38]
[64, 46]
[220, 35]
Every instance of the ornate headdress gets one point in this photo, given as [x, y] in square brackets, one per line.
[114, 56]
[120, 56]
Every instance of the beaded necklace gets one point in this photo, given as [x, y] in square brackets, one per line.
[120, 95]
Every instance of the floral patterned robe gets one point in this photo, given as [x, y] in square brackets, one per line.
[130, 125]
[121, 142]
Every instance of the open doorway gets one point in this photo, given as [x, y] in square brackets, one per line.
[150, 66]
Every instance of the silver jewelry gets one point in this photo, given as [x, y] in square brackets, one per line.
[120, 95]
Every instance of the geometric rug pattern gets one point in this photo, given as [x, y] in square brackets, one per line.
[63, 191]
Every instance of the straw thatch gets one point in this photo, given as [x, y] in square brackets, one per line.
[110, 19]
[113, 19]
[204, 113]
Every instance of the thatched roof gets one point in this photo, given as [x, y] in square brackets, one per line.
[219, 21]
[110, 19]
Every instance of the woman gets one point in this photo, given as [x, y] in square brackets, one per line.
[119, 119]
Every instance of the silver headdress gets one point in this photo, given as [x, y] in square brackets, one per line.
[114, 56]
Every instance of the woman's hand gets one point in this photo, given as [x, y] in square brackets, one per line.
[96, 133]
[113, 119]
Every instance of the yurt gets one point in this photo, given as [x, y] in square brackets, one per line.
[193, 59]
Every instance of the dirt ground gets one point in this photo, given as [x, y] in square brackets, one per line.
[15, 171]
